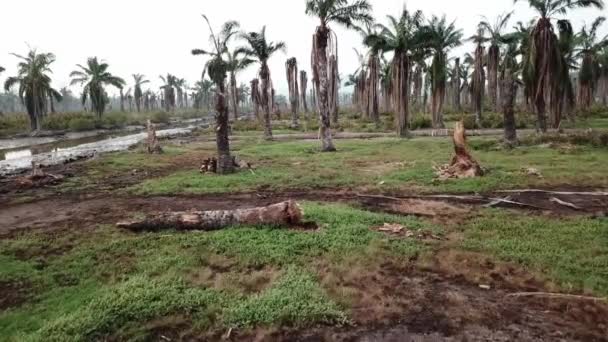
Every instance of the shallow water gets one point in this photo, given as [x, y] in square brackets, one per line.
[19, 159]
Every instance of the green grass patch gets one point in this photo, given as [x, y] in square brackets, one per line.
[105, 281]
[572, 252]
[389, 165]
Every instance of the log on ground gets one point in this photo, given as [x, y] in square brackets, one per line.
[284, 213]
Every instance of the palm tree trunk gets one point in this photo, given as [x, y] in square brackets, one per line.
[456, 78]
[493, 60]
[478, 84]
[225, 163]
[333, 88]
[266, 101]
[303, 90]
[372, 87]
[322, 85]
[509, 90]
[292, 82]
[234, 96]
[401, 91]
[122, 101]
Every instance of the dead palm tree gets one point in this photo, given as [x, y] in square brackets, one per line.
[34, 85]
[256, 98]
[440, 37]
[496, 38]
[478, 81]
[260, 50]
[217, 68]
[168, 88]
[402, 37]
[542, 63]
[324, 61]
[291, 69]
[96, 77]
[373, 68]
[589, 72]
[303, 90]
[138, 80]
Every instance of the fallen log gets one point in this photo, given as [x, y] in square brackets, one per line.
[284, 213]
[463, 165]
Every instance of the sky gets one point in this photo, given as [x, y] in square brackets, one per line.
[154, 37]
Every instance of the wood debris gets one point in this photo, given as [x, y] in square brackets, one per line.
[37, 178]
[153, 144]
[209, 165]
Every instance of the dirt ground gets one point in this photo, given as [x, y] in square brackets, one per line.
[435, 299]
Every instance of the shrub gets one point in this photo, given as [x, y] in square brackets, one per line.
[82, 124]
[113, 120]
[160, 117]
[421, 122]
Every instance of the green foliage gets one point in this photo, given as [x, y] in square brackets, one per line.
[160, 118]
[295, 299]
[421, 122]
[571, 251]
[81, 124]
[89, 286]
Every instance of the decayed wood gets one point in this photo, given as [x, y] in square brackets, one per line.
[153, 144]
[556, 295]
[209, 165]
[564, 193]
[463, 165]
[37, 178]
[284, 213]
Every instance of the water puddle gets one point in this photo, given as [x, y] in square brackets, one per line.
[19, 159]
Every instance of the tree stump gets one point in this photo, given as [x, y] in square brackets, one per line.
[284, 213]
[463, 165]
[153, 144]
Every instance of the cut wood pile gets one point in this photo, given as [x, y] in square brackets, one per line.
[209, 165]
[37, 178]
[463, 165]
[285, 214]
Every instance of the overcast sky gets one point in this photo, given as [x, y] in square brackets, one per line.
[154, 37]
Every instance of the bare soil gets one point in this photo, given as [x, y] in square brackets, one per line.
[435, 299]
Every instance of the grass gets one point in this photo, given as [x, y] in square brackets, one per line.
[572, 252]
[388, 165]
[105, 281]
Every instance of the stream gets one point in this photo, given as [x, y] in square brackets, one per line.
[17, 155]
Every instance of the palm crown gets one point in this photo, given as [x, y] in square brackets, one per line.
[550, 8]
[340, 11]
[259, 48]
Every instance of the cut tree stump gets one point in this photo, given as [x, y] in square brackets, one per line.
[153, 144]
[284, 213]
[209, 165]
[463, 165]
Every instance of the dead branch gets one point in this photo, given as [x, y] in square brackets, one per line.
[284, 213]
[37, 178]
[564, 193]
[556, 295]
[447, 197]
[565, 204]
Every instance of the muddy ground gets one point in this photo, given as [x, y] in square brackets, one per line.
[435, 299]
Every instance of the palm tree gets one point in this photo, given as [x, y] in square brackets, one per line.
[522, 34]
[562, 96]
[509, 71]
[168, 88]
[96, 77]
[385, 82]
[402, 38]
[325, 52]
[236, 64]
[291, 69]
[496, 38]
[139, 80]
[603, 75]
[478, 81]
[260, 50]
[180, 85]
[373, 69]
[542, 63]
[590, 48]
[34, 84]
[303, 90]
[217, 68]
